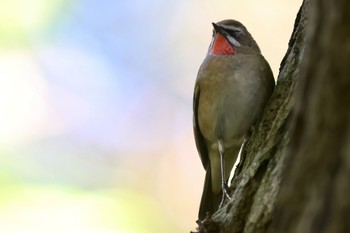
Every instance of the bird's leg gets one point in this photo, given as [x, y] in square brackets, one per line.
[223, 182]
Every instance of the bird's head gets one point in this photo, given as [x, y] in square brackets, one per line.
[231, 37]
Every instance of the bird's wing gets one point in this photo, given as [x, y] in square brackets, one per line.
[200, 143]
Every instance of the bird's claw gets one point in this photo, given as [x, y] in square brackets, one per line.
[224, 194]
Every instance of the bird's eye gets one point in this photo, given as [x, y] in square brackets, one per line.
[233, 32]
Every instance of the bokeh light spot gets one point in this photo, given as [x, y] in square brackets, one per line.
[19, 19]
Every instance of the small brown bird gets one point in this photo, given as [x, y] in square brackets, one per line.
[233, 85]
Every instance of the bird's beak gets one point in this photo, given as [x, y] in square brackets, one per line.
[218, 29]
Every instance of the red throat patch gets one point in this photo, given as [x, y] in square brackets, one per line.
[221, 46]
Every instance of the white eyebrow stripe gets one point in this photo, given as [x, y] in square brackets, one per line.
[231, 27]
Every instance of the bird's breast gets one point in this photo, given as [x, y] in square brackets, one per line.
[228, 99]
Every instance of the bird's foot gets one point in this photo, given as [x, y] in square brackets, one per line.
[224, 194]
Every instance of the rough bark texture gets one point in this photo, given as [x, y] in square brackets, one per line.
[315, 196]
[294, 175]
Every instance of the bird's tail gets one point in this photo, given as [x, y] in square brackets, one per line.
[210, 201]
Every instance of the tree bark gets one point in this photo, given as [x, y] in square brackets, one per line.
[294, 173]
[315, 196]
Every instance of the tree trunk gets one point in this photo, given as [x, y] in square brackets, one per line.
[294, 173]
[315, 196]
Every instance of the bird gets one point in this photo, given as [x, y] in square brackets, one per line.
[234, 84]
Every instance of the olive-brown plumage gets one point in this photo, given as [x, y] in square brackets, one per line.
[234, 83]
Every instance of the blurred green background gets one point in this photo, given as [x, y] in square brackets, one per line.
[96, 109]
